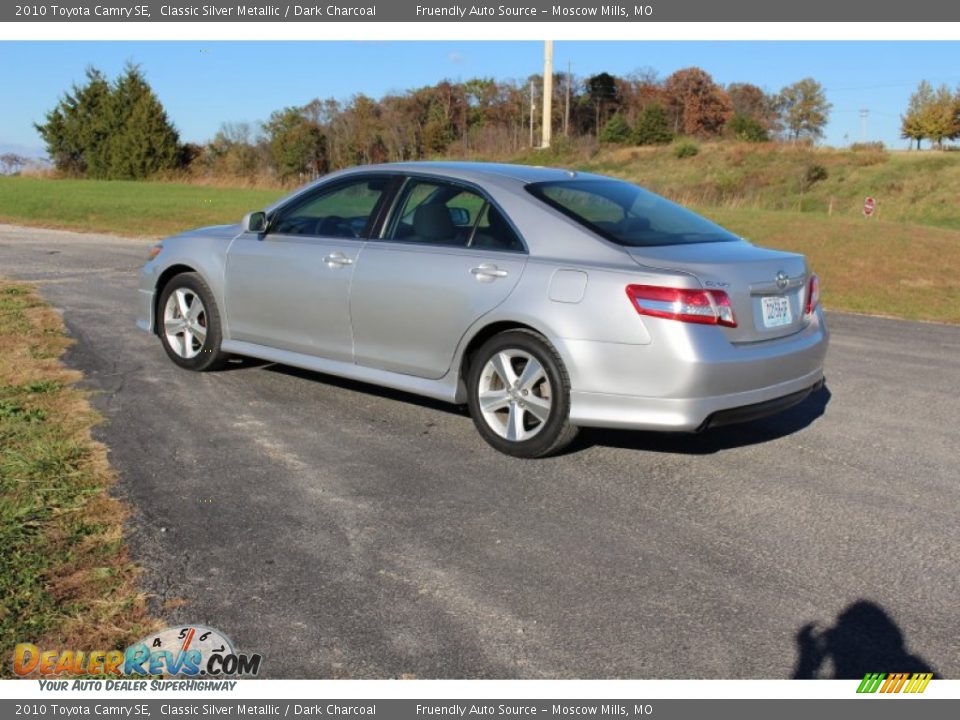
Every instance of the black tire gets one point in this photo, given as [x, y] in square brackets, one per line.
[209, 356]
[551, 435]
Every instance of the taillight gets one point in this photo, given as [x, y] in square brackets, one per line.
[708, 307]
[813, 294]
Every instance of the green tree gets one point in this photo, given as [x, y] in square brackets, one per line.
[297, 145]
[652, 126]
[911, 123]
[74, 130]
[105, 130]
[617, 130]
[745, 127]
[142, 140]
[805, 109]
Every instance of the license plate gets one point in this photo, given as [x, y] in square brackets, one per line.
[776, 311]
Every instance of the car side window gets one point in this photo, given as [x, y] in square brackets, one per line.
[343, 211]
[436, 213]
[439, 213]
[493, 232]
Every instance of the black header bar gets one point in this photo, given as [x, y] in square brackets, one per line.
[542, 11]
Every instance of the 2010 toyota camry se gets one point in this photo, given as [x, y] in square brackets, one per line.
[545, 299]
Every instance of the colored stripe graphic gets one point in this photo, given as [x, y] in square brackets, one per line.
[918, 683]
[894, 682]
[871, 681]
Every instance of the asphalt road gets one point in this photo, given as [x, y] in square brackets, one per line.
[347, 531]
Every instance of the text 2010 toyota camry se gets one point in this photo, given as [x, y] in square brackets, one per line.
[545, 299]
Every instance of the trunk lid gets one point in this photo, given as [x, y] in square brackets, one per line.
[765, 308]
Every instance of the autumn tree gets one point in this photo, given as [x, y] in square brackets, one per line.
[804, 109]
[696, 104]
[755, 106]
[233, 151]
[940, 117]
[912, 122]
[297, 145]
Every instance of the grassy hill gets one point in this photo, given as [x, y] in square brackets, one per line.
[913, 187]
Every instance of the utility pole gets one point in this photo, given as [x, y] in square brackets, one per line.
[566, 109]
[863, 124]
[546, 127]
[533, 108]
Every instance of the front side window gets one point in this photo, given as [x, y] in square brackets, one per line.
[626, 214]
[439, 213]
[344, 211]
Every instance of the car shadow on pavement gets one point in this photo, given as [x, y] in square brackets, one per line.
[238, 362]
[864, 639]
[711, 441]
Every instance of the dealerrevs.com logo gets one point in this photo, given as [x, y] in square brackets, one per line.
[189, 651]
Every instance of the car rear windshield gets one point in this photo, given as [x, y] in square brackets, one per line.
[626, 214]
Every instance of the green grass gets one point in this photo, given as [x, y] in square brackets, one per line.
[911, 187]
[881, 268]
[65, 579]
[137, 209]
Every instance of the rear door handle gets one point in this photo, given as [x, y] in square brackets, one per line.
[487, 272]
[337, 260]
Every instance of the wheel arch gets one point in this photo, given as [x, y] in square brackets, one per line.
[478, 338]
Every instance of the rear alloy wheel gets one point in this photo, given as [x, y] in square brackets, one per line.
[189, 324]
[519, 395]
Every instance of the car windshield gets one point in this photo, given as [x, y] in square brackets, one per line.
[626, 214]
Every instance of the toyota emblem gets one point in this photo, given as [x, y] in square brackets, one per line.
[782, 280]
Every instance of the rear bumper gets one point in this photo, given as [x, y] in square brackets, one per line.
[688, 414]
[746, 413]
[689, 382]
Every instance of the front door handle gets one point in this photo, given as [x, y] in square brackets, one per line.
[337, 260]
[487, 272]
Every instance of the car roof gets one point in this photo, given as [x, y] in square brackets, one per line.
[478, 171]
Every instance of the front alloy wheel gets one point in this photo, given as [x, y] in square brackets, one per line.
[189, 323]
[185, 323]
[520, 395]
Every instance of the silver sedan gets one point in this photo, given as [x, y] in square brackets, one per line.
[545, 299]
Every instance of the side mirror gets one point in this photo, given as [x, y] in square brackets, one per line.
[255, 222]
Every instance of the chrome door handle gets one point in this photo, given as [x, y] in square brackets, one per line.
[337, 260]
[487, 272]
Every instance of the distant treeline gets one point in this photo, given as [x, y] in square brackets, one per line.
[119, 129]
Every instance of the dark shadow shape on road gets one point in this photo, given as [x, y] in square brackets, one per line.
[864, 640]
[714, 440]
[239, 362]
[368, 389]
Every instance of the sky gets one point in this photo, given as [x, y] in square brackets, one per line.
[205, 84]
